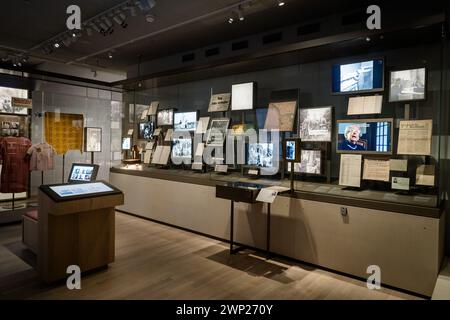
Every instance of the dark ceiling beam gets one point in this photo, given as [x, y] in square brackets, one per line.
[42, 75]
[283, 49]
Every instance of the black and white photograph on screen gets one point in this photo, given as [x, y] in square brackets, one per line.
[311, 161]
[217, 132]
[93, 139]
[182, 148]
[406, 85]
[146, 130]
[357, 76]
[260, 155]
[315, 124]
[185, 121]
[165, 117]
[290, 150]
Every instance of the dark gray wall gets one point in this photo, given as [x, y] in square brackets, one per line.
[314, 82]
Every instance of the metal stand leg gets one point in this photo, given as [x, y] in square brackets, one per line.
[13, 200]
[231, 226]
[63, 164]
[268, 232]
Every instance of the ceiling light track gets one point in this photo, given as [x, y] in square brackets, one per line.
[102, 23]
[239, 4]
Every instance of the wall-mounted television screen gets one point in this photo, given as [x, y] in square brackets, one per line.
[260, 155]
[407, 85]
[185, 121]
[364, 136]
[364, 76]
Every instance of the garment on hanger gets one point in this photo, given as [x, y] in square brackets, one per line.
[15, 164]
[41, 157]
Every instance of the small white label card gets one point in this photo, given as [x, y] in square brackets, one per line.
[400, 183]
[221, 168]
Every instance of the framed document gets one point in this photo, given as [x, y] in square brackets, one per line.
[93, 139]
[350, 170]
[414, 137]
[281, 116]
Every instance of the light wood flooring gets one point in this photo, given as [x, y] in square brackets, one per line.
[154, 261]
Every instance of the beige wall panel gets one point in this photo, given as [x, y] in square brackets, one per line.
[406, 247]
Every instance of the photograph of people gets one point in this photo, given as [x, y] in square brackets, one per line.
[407, 85]
[310, 161]
[146, 130]
[352, 139]
[261, 155]
[315, 124]
[185, 121]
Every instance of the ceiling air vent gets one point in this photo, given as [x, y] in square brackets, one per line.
[239, 45]
[212, 52]
[188, 57]
[308, 29]
[274, 37]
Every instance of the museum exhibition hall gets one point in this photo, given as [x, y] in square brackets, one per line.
[224, 150]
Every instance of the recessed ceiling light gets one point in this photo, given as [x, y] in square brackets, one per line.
[231, 20]
[149, 18]
[56, 45]
[110, 55]
[281, 3]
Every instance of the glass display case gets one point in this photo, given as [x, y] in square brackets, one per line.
[369, 119]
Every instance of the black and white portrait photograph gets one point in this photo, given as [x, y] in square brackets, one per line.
[260, 155]
[182, 148]
[165, 117]
[315, 124]
[217, 132]
[407, 85]
[93, 138]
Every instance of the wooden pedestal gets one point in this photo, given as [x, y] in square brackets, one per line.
[78, 232]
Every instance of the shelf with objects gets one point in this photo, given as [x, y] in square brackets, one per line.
[353, 129]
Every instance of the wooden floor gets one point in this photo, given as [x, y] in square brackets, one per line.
[158, 262]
